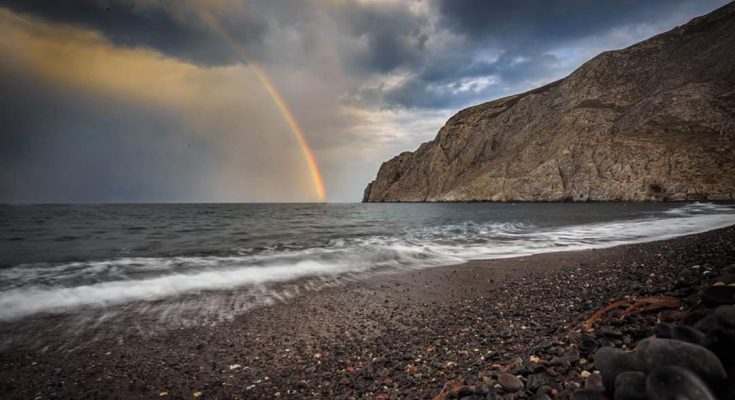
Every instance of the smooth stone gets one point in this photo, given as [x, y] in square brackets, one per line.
[630, 385]
[722, 343]
[723, 317]
[611, 362]
[680, 332]
[482, 390]
[594, 381]
[688, 334]
[663, 330]
[730, 269]
[607, 331]
[695, 316]
[519, 367]
[673, 382]
[728, 389]
[726, 279]
[560, 361]
[653, 353]
[609, 342]
[510, 383]
[540, 396]
[708, 324]
[718, 295]
[572, 357]
[546, 389]
[588, 344]
[588, 394]
[535, 381]
[543, 345]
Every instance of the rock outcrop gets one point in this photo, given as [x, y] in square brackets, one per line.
[652, 122]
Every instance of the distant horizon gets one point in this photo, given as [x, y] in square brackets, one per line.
[360, 202]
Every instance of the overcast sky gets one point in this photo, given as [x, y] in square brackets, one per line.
[150, 101]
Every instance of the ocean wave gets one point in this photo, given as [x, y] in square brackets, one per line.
[699, 208]
[51, 288]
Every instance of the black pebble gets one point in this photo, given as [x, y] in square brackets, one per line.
[680, 332]
[673, 382]
[653, 353]
[611, 362]
[714, 296]
[630, 385]
[588, 394]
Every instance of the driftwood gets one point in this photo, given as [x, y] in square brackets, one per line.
[633, 306]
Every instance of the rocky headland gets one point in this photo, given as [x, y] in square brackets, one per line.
[652, 122]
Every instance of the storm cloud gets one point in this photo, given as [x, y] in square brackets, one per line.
[148, 100]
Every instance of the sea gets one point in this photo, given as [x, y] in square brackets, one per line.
[57, 259]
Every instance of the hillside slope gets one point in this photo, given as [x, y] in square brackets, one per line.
[652, 122]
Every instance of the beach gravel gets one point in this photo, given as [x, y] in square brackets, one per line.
[438, 333]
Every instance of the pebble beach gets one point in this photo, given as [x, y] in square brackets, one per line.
[498, 329]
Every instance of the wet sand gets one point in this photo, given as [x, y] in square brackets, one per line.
[400, 335]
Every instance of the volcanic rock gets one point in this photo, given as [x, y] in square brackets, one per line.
[630, 385]
[651, 122]
[653, 353]
[673, 382]
[510, 382]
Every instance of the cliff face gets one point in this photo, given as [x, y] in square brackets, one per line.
[652, 122]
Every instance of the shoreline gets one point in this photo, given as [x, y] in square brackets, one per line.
[399, 335]
[691, 201]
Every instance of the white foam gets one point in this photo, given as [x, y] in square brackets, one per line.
[32, 289]
[20, 302]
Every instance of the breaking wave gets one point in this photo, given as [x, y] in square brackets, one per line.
[34, 288]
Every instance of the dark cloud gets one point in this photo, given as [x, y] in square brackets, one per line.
[62, 146]
[523, 23]
[184, 35]
[512, 44]
[460, 81]
[394, 36]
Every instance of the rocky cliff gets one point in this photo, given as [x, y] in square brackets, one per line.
[652, 122]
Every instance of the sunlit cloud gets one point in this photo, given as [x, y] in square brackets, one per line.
[225, 105]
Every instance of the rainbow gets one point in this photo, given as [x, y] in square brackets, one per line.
[280, 103]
